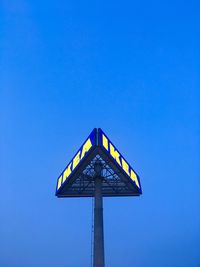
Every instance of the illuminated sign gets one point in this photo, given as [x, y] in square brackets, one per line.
[117, 157]
[77, 179]
[77, 159]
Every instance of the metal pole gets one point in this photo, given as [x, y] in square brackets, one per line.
[98, 260]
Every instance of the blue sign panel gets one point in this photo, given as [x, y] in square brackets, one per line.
[117, 157]
[87, 146]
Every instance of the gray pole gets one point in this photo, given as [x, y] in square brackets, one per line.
[98, 260]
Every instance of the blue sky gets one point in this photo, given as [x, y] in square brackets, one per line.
[131, 68]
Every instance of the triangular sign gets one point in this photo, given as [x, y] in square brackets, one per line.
[98, 154]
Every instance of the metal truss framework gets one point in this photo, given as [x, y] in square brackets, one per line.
[112, 184]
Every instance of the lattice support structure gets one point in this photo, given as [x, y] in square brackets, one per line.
[112, 184]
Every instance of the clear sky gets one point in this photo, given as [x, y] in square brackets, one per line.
[129, 67]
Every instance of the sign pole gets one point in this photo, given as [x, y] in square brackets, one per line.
[98, 170]
[98, 260]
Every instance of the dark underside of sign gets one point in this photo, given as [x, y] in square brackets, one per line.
[115, 182]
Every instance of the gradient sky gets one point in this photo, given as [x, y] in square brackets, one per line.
[129, 67]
